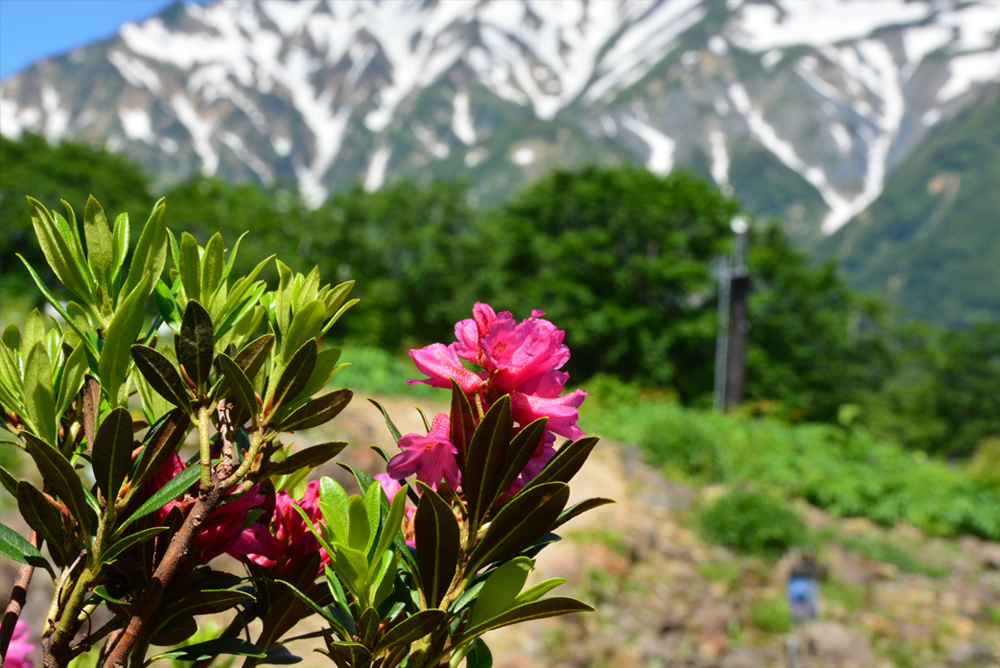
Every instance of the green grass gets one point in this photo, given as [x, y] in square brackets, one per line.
[771, 615]
[376, 371]
[885, 552]
[848, 473]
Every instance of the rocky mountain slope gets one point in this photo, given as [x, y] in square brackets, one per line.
[804, 108]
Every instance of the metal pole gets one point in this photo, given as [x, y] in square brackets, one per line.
[721, 334]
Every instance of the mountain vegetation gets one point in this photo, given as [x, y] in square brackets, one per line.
[621, 258]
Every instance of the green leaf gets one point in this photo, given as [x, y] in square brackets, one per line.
[15, 547]
[196, 344]
[34, 332]
[580, 508]
[212, 648]
[125, 543]
[412, 628]
[484, 465]
[58, 252]
[294, 377]
[211, 267]
[500, 590]
[206, 601]
[38, 512]
[565, 464]
[476, 655]
[177, 486]
[190, 267]
[72, 379]
[102, 591]
[391, 527]
[396, 435]
[305, 325]
[352, 568]
[283, 297]
[437, 537]
[333, 496]
[351, 654]
[326, 367]
[8, 482]
[100, 251]
[120, 243]
[150, 254]
[112, 452]
[161, 439]
[527, 517]
[57, 305]
[318, 411]
[253, 355]
[59, 473]
[310, 458]
[539, 590]
[167, 306]
[242, 389]
[161, 375]
[37, 393]
[118, 339]
[549, 607]
[358, 527]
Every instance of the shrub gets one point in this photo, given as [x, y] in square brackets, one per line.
[771, 615]
[753, 523]
[680, 440]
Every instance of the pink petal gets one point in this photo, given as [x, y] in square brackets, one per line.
[442, 364]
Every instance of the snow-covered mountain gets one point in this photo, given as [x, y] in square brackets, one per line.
[802, 107]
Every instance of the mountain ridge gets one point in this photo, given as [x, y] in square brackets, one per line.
[803, 109]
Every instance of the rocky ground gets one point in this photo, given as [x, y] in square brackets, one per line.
[666, 598]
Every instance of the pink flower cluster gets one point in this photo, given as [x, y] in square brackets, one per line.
[225, 524]
[19, 648]
[521, 359]
[281, 541]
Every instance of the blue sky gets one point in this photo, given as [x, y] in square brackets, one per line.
[34, 29]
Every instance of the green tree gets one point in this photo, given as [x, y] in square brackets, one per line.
[71, 171]
[620, 258]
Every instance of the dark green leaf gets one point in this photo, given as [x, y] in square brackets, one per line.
[41, 516]
[548, 607]
[485, 459]
[161, 375]
[565, 464]
[311, 457]
[437, 537]
[462, 424]
[528, 517]
[59, 473]
[396, 435]
[522, 448]
[305, 325]
[162, 439]
[412, 628]
[177, 486]
[479, 655]
[253, 355]
[167, 306]
[72, 379]
[239, 386]
[206, 601]
[118, 340]
[14, 546]
[350, 654]
[213, 648]
[8, 482]
[196, 344]
[125, 543]
[112, 452]
[280, 656]
[294, 377]
[318, 411]
[580, 508]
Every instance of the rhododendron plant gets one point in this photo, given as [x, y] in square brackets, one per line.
[429, 556]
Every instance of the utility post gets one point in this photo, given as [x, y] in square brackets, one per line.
[733, 326]
[739, 326]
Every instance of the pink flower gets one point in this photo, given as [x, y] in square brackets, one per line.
[561, 412]
[223, 527]
[431, 457]
[285, 540]
[392, 487]
[19, 648]
[442, 365]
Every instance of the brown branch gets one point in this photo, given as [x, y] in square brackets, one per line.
[18, 596]
[149, 601]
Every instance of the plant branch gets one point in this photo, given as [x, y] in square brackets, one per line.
[18, 596]
[205, 448]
